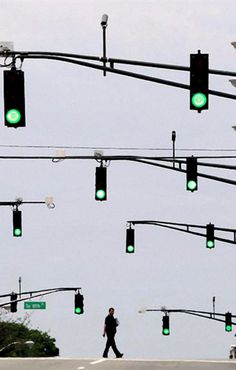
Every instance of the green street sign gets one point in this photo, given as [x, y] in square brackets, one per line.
[33, 305]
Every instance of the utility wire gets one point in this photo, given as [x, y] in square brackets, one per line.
[113, 148]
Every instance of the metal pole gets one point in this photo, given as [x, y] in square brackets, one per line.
[214, 306]
[173, 140]
[104, 50]
[104, 26]
[20, 286]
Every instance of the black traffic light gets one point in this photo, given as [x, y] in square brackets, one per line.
[228, 322]
[13, 305]
[130, 247]
[210, 236]
[199, 76]
[79, 303]
[14, 98]
[101, 183]
[191, 173]
[17, 224]
[166, 325]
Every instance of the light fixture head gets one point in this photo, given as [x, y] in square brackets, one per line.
[104, 20]
[233, 82]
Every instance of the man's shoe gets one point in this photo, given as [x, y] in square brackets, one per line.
[104, 356]
[120, 355]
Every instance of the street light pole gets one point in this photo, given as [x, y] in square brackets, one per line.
[104, 26]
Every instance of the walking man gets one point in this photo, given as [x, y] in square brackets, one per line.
[110, 331]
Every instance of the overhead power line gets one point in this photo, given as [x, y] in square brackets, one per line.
[116, 148]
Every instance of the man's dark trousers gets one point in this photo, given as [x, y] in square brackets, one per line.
[111, 343]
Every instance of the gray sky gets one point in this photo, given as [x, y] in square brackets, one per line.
[82, 242]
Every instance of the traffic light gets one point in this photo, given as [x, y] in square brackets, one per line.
[13, 305]
[17, 228]
[191, 173]
[199, 76]
[101, 183]
[130, 247]
[166, 325]
[210, 237]
[79, 303]
[14, 98]
[228, 322]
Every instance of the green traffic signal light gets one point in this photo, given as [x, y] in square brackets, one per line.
[78, 310]
[199, 100]
[100, 194]
[13, 116]
[210, 244]
[228, 328]
[17, 232]
[191, 185]
[130, 249]
[166, 331]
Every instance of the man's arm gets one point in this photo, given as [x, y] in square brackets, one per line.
[104, 331]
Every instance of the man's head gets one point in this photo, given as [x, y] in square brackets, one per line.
[111, 311]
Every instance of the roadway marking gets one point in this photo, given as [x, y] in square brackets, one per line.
[80, 368]
[97, 361]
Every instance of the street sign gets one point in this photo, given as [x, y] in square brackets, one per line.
[33, 305]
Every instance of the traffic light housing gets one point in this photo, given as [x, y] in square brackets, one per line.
[101, 183]
[228, 322]
[191, 173]
[199, 81]
[14, 98]
[130, 247]
[79, 303]
[166, 325]
[13, 305]
[210, 236]
[17, 224]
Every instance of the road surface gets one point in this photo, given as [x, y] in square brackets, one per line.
[112, 364]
